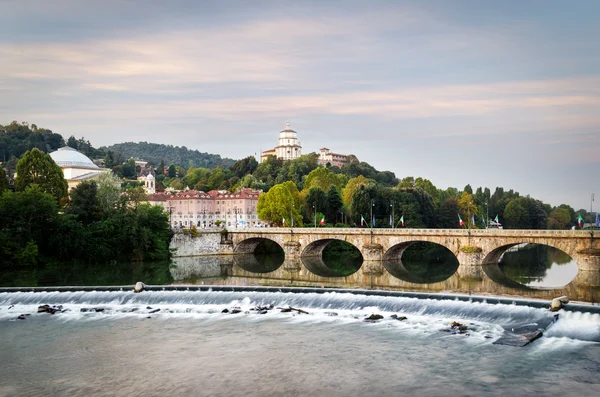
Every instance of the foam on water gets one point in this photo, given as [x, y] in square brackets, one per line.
[426, 317]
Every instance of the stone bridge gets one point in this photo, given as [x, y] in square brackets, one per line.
[472, 247]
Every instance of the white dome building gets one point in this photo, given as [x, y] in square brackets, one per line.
[76, 166]
[289, 147]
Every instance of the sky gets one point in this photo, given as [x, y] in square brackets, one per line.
[486, 93]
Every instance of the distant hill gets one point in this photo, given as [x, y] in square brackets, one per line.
[155, 153]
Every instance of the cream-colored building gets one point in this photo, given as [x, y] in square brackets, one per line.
[76, 166]
[333, 159]
[193, 207]
[289, 146]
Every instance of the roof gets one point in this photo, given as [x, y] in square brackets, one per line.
[67, 157]
[83, 177]
[158, 197]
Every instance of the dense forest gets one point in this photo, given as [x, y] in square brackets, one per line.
[155, 153]
[17, 138]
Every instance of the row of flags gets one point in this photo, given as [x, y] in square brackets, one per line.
[460, 220]
[580, 220]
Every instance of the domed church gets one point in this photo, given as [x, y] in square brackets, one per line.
[289, 147]
[76, 166]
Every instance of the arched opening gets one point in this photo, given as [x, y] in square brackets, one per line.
[259, 255]
[533, 266]
[420, 262]
[332, 258]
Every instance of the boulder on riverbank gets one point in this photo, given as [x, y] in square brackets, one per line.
[139, 287]
[558, 303]
[49, 309]
[373, 318]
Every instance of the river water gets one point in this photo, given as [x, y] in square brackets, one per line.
[190, 347]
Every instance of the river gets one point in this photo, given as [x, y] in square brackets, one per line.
[178, 341]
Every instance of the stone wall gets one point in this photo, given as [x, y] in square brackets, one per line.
[208, 243]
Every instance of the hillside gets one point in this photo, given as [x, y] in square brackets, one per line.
[177, 155]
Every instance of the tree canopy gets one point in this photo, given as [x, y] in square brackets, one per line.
[38, 168]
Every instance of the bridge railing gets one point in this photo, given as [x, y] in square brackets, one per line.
[405, 231]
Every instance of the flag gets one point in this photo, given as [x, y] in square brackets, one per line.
[597, 221]
[322, 221]
[402, 220]
[373, 221]
[482, 221]
[579, 220]
[391, 221]
[283, 221]
[496, 219]
[460, 221]
[362, 221]
[473, 219]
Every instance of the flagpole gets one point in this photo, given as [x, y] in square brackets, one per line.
[315, 211]
[591, 212]
[392, 205]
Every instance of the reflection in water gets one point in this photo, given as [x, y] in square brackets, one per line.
[423, 263]
[80, 274]
[342, 258]
[267, 257]
[538, 266]
[224, 270]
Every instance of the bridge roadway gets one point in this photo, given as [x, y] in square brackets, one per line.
[474, 247]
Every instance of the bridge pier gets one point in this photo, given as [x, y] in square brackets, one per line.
[292, 250]
[588, 260]
[372, 259]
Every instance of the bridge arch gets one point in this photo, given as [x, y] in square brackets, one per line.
[393, 263]
[314, 260]
[491, 264]
[258, 255]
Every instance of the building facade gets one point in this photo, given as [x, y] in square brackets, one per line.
[333, 159]
[203, 210]
[288, 147]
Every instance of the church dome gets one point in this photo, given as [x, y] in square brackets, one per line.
[288, 128]
[66, 156]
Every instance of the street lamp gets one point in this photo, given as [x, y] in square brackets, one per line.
[372, 205]
[392, 205]
[487, 215]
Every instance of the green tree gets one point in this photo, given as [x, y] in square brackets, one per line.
[72, 142]
[129, 169]
[28, 218]
[352, 185]
[334, 204]
[316, 200]
[323, 178]
[559, 219]
[3, 182]
[84, 202]
[446, 217]
[38, 168]
[278, 203]
[514, 214]
[467, 206]
[172, 173]
[108, 191]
